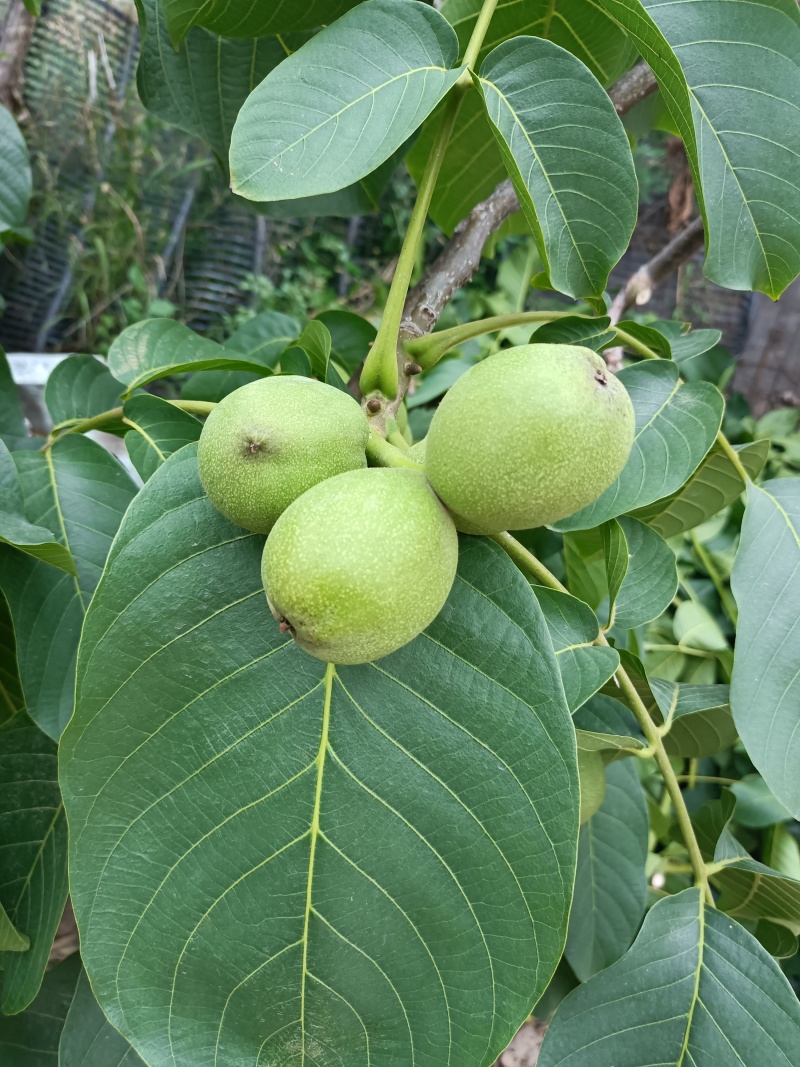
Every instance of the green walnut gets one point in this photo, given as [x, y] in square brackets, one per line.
[527, 437]
[360, 564]
[268, 442]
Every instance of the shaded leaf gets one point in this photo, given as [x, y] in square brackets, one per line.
[737, 115]
[158, 429]
[700, 717]
[576, 330]
[651, 580]
[15, 177]
[603, 724]
[80, 387]
[778, 940]
[713, 486]
[748, 889]
[12, 421]
[579, 26]
[31, 1039]
[201, 86]
[250, 18]
[694, 987]
[765, 690]
[676, 425]
[11, 698]
[15, 530]
[158, 348]
[473, 165]
[591, 773]
[315, 341]
[342, 104]
[695, 627]
[351, 337]
[586, 566]
[438, 380]
[615, 553]
[264, 337]
[33, 876]
[82, 492]
[304, 823]
[610, 882]
[11, 940]
[573, 627]
[88, 1038]
[755, 804]
[582, 217]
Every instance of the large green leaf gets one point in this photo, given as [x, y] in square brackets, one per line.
[15, 529]
[603, 724]
[31, 1039]
[81, 492]
[582, 214]
[33, 836]
[88, 1038]
[250, 18]
[713, 486]
[343, 103]
[695, 988]
[200, 86]
[79, 388]
[765, 690]
[270, 856]
[573, 627]
[157, 429]
[15, 177]
[730, 74]
[676, 425]
[473, 165]
[157, 348]
[748, 889]
[610, 882]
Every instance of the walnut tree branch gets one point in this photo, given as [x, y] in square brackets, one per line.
[461, 255]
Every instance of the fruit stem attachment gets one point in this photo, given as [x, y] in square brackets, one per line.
[427, 351]
[380, 373]
[733, 456]
[381, 453]
[525, 559]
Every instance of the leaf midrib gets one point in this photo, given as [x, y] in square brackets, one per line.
[330, 674]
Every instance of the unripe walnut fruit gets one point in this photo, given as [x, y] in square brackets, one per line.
[527, 437]
[268, 442]
[359, 565]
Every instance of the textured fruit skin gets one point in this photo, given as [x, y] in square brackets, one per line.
[529, 436]
[268, 442]
[361, 564]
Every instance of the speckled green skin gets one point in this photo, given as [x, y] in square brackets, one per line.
[268, 442]
[529, 436]
[361, 564]
[417, 451]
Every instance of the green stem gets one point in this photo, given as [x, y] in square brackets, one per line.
[727, 601]
[652, 736]
[629, 341]
[381, 453]
[380, 373]
[733, 456]
[427, 351]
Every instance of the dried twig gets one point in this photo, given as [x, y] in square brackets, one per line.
[639, 288]
[462, 254]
